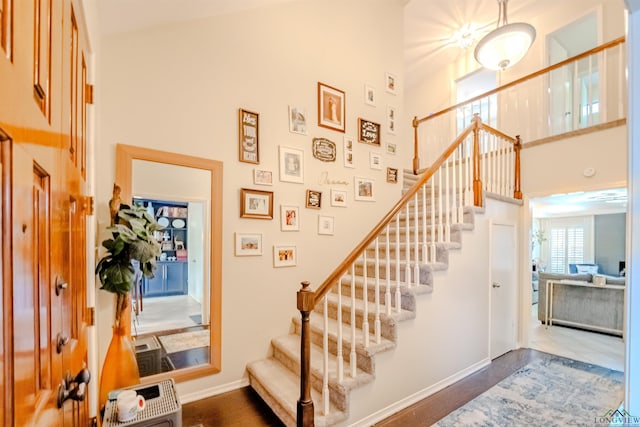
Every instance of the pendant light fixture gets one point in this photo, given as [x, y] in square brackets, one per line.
[507, 44]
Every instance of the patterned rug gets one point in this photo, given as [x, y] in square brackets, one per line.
[184, 341]
[552, 391]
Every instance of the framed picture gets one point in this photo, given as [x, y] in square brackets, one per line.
[338, 198]
[314, 199]
[391, 120]
[289, 218]
[262, 177]
[390, 83]
[291, 165]
[392, 175]
[364, 189]
[248, 244]
[297, 120]
[325, 225]
[285, 255]
[348, 152]
[391, 148]
[369, 95]
[331, 107]
[256, 204]
[248, 137]
[375, 160]
[368, 132]
[323, 149]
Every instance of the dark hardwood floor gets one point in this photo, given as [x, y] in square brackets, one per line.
[244, 407]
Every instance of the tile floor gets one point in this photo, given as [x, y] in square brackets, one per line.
[591, 347]
[166, 313]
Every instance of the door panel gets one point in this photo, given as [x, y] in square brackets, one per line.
[503, 289]
[44, 215]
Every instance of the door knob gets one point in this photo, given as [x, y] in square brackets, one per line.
[73, 388]
[495, 285]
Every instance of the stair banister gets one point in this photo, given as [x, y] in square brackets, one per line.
[305, 403]
[417, 121]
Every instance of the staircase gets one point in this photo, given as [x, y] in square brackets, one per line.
[356, 315]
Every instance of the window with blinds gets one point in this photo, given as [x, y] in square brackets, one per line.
[567, 247]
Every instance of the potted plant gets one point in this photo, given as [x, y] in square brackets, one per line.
[132, 250]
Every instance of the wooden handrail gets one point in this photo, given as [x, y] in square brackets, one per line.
[357, 251]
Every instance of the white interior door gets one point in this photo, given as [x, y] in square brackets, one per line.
[503, 289]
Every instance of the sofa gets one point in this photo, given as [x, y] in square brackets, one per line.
[599, 308]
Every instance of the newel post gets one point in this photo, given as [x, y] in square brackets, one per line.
[416, 158]
[305, 404]
[517, 193]
[477, 183]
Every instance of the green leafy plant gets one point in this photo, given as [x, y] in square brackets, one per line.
[132, 239]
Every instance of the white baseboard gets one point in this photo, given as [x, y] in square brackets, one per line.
[211, 391]
[416, 397]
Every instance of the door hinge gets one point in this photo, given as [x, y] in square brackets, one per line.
[91, 316]
[88, 88]
[87, 205]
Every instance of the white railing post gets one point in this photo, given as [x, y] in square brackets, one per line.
[365, 297]
[433, 230]
[339, 357]
[376, 324]
[387, 291]
[352, 355]
[325, 358]
[407, 252]
[425, 255]
[398, 247]
[416, 236]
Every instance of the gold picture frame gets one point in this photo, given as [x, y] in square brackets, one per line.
[256, 204]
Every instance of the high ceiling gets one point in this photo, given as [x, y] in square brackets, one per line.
[429, 24]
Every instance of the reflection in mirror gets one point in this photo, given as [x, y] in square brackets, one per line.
[170, 320]
[176, 314]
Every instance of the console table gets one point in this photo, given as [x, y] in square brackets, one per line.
[549, 318]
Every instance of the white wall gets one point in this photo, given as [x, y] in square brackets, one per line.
[178, 88]
[558, 167]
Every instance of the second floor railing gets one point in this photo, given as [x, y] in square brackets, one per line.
[586, 90]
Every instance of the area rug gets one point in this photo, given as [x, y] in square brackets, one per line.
[551, 391]
[184, 341]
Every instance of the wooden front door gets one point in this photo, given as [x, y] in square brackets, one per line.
[43, 99]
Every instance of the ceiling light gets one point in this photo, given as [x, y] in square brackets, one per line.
[507, 44]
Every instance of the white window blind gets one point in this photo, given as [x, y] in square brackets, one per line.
[567, 247]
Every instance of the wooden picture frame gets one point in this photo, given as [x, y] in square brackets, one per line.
[256, 204]
[331, 107]
[368, 132]
[314, 199]
[364, 189]
[248, 244]
[248, 136]
[326, 225]
[289, 218]
[285, 255]
[291, 165]
[392, 175]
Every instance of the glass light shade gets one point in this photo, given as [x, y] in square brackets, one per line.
[505, 46]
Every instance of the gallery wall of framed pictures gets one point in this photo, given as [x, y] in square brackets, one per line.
[358, 151]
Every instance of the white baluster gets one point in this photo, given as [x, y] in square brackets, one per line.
[589, 100]
[407, 253]
[352, 356]
[325, 358]
[387, 291]
[576, 95]
[604, 75]
[447, 228]
[432, 252]
[376, 325]
[440, 196]
[339, 346]
[398, 247]
[416, 236]
[365, 297]
[460, 190]
[425, 255]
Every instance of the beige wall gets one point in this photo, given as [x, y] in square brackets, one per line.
[178, 88]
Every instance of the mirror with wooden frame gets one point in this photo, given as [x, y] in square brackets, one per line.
[176, 319]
